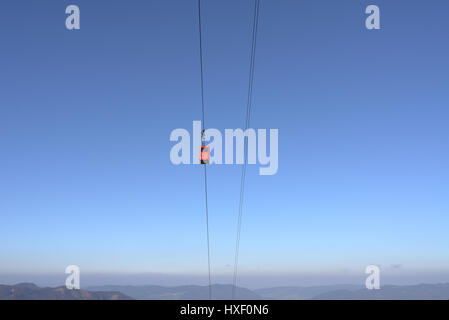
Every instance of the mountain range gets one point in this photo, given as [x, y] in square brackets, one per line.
[389, 292]
[29, 291]
[219, 292]
[333, 292]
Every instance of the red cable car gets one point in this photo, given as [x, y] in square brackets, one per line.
[204, 155]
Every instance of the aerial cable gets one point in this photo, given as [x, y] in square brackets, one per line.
[202, 139]
[247, 123]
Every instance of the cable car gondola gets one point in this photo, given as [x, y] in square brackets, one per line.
[204, 150]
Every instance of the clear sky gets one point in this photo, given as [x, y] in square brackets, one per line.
[85, 120]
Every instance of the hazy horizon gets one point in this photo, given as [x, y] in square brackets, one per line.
[247, 281]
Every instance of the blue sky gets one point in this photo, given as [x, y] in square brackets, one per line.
[85, 119]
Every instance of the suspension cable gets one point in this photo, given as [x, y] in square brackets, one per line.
[203, 128]
[247, 123]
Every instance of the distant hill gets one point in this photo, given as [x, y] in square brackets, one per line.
[219, 292]
[29, 291]
[415, 292]
[301, 293]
